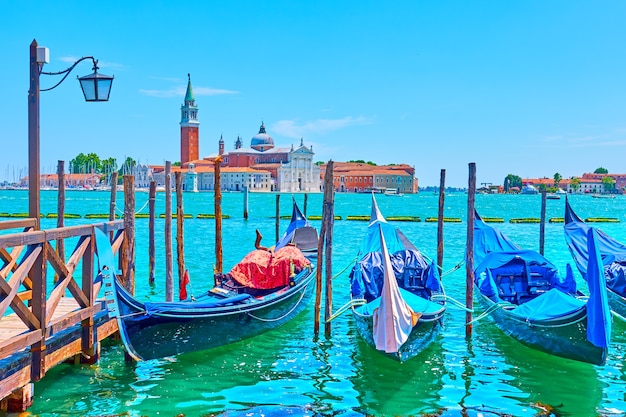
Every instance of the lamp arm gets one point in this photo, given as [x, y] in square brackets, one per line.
[68, 71]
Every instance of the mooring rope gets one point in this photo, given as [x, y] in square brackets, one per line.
[488, 311]
[284, 315]
[136, 212]
[455, 302]
[346, 267]
[451, 270]
[345, 307]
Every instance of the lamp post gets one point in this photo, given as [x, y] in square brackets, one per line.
[96, 87]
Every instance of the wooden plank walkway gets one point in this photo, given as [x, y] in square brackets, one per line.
[15, 370]
[41, 325]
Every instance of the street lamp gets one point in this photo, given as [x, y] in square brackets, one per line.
[96, 87]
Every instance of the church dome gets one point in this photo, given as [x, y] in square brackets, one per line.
[262, 141]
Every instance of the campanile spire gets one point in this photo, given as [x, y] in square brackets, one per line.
[189, 127]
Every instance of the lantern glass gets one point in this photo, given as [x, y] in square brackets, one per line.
[96, 86]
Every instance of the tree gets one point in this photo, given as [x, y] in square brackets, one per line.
[84, 164]
[609, 183]
[109, 165]
[574, 183]
[557, 179]
[512, 181]
[601, 171]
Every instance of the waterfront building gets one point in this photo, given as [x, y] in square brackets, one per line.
[620, 180]
[361, 177]
[291, 169]
[82, 181]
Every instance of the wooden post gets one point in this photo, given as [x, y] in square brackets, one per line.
[306, 197]
[151, 248]
[89, 339]
[245, 203]
[169, 273]
[34, 204]
[218, 215]
[328, 188]
[38, 349]
[60, 211]
[542, 225]
[442, 193]
[277, 217]
[329, 219]
[128, 246]
[180, 235]
[469, 261]
[113, 200]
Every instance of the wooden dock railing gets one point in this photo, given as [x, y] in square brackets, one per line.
[47, 326]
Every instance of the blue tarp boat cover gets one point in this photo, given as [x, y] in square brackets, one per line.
[612, 252]
[417, 304]
[487, 239]
[368, 275]
[519, 262]
[549, 305]
[598, 313]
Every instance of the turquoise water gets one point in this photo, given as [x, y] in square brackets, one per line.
[289, 372]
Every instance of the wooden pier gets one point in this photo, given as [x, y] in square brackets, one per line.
[48, 326]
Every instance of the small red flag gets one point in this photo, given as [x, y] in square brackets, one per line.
[183, 286]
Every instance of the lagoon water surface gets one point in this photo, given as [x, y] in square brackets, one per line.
[288, 371]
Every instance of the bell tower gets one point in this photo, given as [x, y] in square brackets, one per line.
[189, 127]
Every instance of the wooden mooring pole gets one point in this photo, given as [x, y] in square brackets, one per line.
[169, 274]
[329, 220]
[151, 248]
[245, 203]
[306, 197]
[113, 201]
[180, 222]
[218, 215]
[442, 193]
[328, 188]
[128, 245]
[277, 217]
[60, 244]
[469, 260]
[542, 225]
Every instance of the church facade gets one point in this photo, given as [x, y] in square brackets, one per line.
[291, 169]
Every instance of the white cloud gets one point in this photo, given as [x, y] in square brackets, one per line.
[293, 129]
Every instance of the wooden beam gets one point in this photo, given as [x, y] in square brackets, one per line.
[17, 224]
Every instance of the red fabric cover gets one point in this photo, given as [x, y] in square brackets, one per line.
[261, 269]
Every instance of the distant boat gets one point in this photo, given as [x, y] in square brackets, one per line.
[393, 192]
[553, 196]
[560, 191]
[529, 189]
[603, 196]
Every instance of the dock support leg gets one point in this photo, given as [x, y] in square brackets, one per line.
[19, 400]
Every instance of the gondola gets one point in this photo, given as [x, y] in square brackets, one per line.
[397, 300]
[613, 255]
[263, 291]
[529, 301]
[300, 233]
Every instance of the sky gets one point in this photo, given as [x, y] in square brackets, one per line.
[528, 88]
